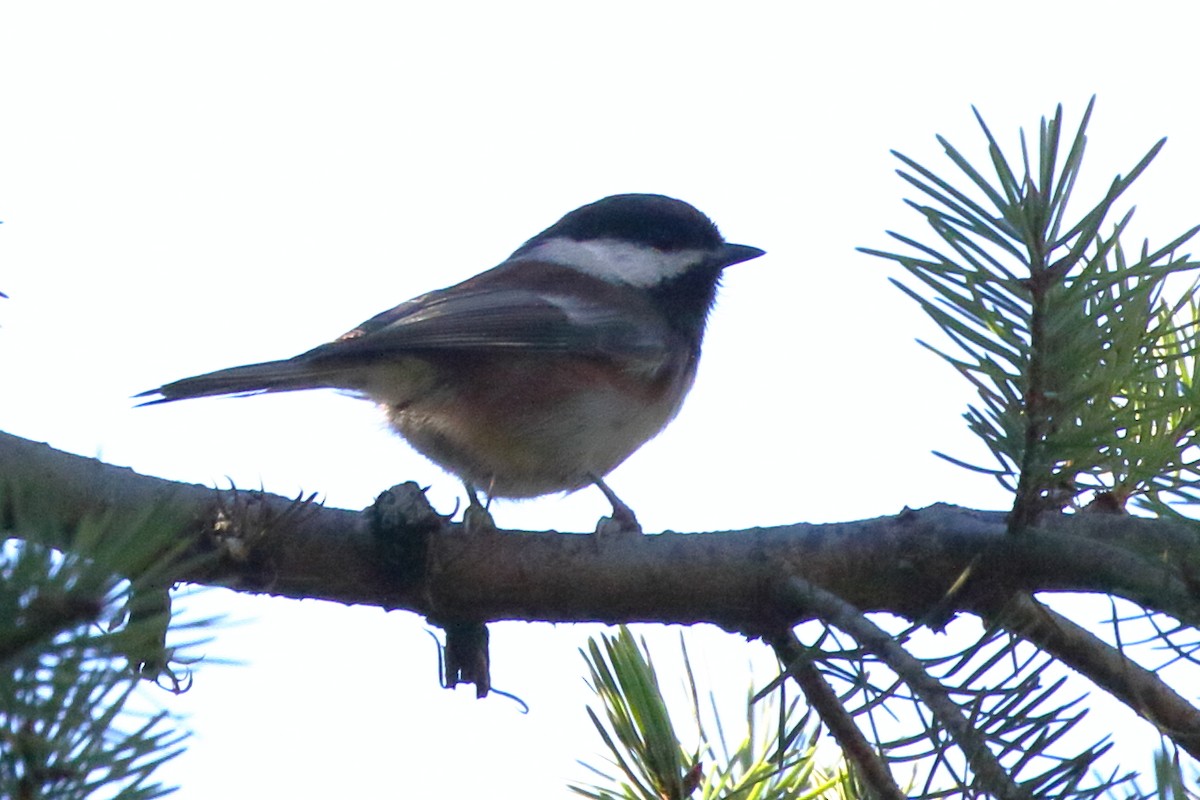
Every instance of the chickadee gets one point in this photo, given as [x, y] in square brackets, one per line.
[542, 374]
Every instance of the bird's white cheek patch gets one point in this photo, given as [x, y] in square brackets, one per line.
[637, 265]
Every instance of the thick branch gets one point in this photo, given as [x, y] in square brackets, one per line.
[922, 565]
[906, 565]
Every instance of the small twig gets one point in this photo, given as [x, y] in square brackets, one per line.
[1135, 686]
[824, 701]
[803, 598]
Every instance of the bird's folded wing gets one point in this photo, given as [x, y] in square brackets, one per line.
[495, 319]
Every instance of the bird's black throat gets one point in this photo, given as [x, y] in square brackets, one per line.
[686, 299]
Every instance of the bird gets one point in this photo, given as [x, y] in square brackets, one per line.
[542, 374]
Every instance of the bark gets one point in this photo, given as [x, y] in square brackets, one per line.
[920, 564]
[924, 565]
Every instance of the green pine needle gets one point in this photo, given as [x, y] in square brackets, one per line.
[1083, 365]
[653, 764]
[75, 632]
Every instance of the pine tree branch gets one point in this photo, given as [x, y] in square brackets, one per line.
[1137, 687]
[911, 565]
[821, 698]
[806, 598]
[924, 565]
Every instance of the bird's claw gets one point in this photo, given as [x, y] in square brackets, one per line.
[619, 525]
[478, 520]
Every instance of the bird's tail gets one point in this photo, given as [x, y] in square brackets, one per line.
[270, 376]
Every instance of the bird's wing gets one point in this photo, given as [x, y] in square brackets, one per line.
[491, 318]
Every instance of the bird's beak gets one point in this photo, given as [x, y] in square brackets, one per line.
[737, 253]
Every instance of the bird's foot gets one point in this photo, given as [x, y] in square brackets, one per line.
[618, 526]
[623, 522]
[478, 520]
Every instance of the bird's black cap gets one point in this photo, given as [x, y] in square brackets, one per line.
[652, 220]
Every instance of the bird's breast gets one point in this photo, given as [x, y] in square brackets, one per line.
[522, 426]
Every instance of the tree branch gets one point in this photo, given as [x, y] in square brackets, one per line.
[821, 698]
[1139, 688]
[924, 565]
[906, 565]
[806, 599]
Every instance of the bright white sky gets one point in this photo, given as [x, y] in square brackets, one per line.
[189, 186]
